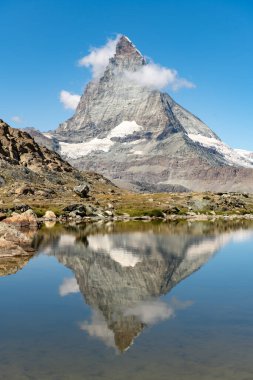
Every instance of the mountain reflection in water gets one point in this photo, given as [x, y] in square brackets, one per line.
[122, 269]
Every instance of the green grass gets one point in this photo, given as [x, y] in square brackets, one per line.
[138, 213]
[40, 211]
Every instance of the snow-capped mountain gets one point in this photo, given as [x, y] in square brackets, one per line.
[141, 138]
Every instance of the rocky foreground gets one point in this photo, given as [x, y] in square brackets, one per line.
[117, 205]
[29, 169]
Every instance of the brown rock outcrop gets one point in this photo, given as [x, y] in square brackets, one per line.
[14, 242]
[26, 219]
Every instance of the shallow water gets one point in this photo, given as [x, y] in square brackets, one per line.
[130, 300]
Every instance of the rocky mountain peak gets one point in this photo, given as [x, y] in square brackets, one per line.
[125, 47]
[127, 56]
[159, 145]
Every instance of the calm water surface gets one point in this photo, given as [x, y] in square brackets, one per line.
[130, 301]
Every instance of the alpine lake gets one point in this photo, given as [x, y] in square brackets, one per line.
[130, 300]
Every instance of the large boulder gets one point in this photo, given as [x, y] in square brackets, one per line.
[24, 190]
[26, 219]
[14, 242]
[9, 249]
[49, 215]
[73, 207]
[82, 190]
[82, 210]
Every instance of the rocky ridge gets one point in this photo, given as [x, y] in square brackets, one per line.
[18, 148]
[32, 171]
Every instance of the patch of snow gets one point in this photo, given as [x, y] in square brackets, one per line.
[207, 247]
[242, 236]
[82, 149]
[211, 245]
[122, 255]
[136, 152]
[138, 51]
[134, 142]
[245, 153]
[124, 258]
[124, 129]
[230, 155]
[66, 240]
[47, 135]
[128, 39]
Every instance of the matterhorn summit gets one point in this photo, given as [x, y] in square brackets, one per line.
[128, 130]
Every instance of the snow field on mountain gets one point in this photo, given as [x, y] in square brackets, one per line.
[77, 150]
[232, 156]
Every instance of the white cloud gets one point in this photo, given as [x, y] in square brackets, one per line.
[68, 286]
[98, 328]
[151, 312]
[70, 101]
[17, 119]
[98, 58]
[158, 77]
[150, 75]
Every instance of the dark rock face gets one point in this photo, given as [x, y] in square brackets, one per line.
[141, 138]
[82, 190]
[42, 139]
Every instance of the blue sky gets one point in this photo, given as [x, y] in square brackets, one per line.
[207, 42]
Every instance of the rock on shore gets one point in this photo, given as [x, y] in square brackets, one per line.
[26, 219]
[14, 242]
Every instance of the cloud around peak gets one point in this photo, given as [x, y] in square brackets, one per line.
[157, 77]
[98, 58]
[69, 100]
[151, 75]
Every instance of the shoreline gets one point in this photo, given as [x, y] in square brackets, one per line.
[168, 218]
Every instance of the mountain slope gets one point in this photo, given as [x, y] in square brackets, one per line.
[140, 138]
[19, 148]
[28, 170]
[42, 138]
[23, 160]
